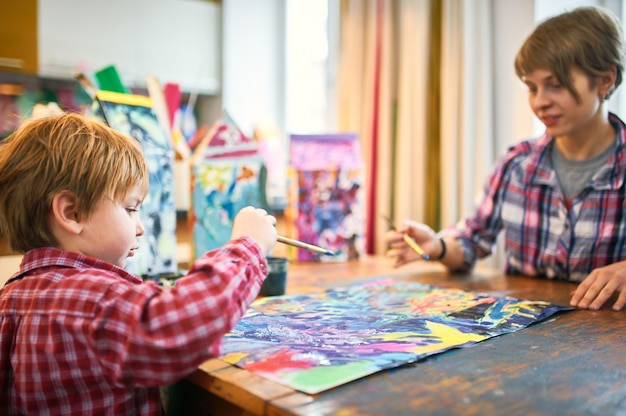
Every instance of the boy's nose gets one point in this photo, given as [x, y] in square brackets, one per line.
[140, 229]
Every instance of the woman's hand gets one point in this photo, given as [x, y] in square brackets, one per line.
[422, 234]
[600, 285]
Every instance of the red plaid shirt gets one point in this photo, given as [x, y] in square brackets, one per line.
[81, 336]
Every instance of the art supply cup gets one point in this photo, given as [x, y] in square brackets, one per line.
[276, 281]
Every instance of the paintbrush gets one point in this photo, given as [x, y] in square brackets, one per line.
[300, 244]
[407, 239]
[86, 84]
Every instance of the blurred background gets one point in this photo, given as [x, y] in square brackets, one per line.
[427, 86]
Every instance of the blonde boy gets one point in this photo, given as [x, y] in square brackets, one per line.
[80, 335]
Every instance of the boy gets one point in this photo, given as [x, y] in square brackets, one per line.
[80, 335]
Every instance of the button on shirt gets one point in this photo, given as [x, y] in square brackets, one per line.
[81, 336]
[541, 236]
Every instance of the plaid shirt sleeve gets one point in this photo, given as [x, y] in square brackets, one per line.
[477, 234]
[147, 336]
[83, 336]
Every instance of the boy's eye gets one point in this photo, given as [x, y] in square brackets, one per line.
[131, 210]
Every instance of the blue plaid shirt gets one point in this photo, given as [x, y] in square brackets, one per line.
[542, 237]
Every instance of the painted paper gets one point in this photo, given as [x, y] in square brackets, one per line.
[133, 115]
[325, 199]
[227, 174]
[220, 188]
[314, 342]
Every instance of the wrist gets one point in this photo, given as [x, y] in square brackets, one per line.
[443, 249]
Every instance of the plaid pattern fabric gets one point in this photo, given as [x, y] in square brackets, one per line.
[542, 237]
[81, 336]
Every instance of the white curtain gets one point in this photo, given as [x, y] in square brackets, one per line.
[481, 107]
[381, 78]
[467, 105]
[409, 188]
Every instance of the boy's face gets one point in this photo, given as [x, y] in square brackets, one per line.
[557, 108]
[111, 232]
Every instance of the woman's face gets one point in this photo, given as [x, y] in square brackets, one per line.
[557, 108]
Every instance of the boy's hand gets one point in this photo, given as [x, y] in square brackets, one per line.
[258, 225]
[600, 285]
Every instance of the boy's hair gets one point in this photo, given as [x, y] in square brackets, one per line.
[588, 38]
[62, 153]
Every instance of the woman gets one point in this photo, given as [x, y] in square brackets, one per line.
[559, 198]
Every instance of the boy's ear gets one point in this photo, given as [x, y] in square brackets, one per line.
[65, 213]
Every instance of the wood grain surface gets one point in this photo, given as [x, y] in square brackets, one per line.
[573, 363]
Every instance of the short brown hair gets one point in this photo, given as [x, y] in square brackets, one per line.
[588, 38]
[62, 153]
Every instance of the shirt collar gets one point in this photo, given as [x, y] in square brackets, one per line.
[611, 176]
[51, 257]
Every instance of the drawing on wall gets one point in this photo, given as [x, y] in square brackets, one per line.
[326, 205]
[314, 342]
[133, 115]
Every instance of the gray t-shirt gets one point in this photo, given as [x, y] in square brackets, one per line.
[573, 175]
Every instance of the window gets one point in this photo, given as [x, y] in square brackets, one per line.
[311, 49]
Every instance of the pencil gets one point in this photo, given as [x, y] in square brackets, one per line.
[414, 246]
[87, 85]
[305, 246]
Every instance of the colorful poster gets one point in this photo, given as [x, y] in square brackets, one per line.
[325, 199]
[134, 116]
[220, 188]
[314, 342]
[227, 174]
[329, 213]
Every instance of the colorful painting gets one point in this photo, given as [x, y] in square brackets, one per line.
[326, 206]
[134, 116]
[219, 189]
[224, 139]
[314, 342]
[227, 174]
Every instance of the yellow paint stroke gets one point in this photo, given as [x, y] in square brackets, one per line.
[234, 357]
[447, 337]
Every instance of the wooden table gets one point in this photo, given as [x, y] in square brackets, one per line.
[574, 364]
